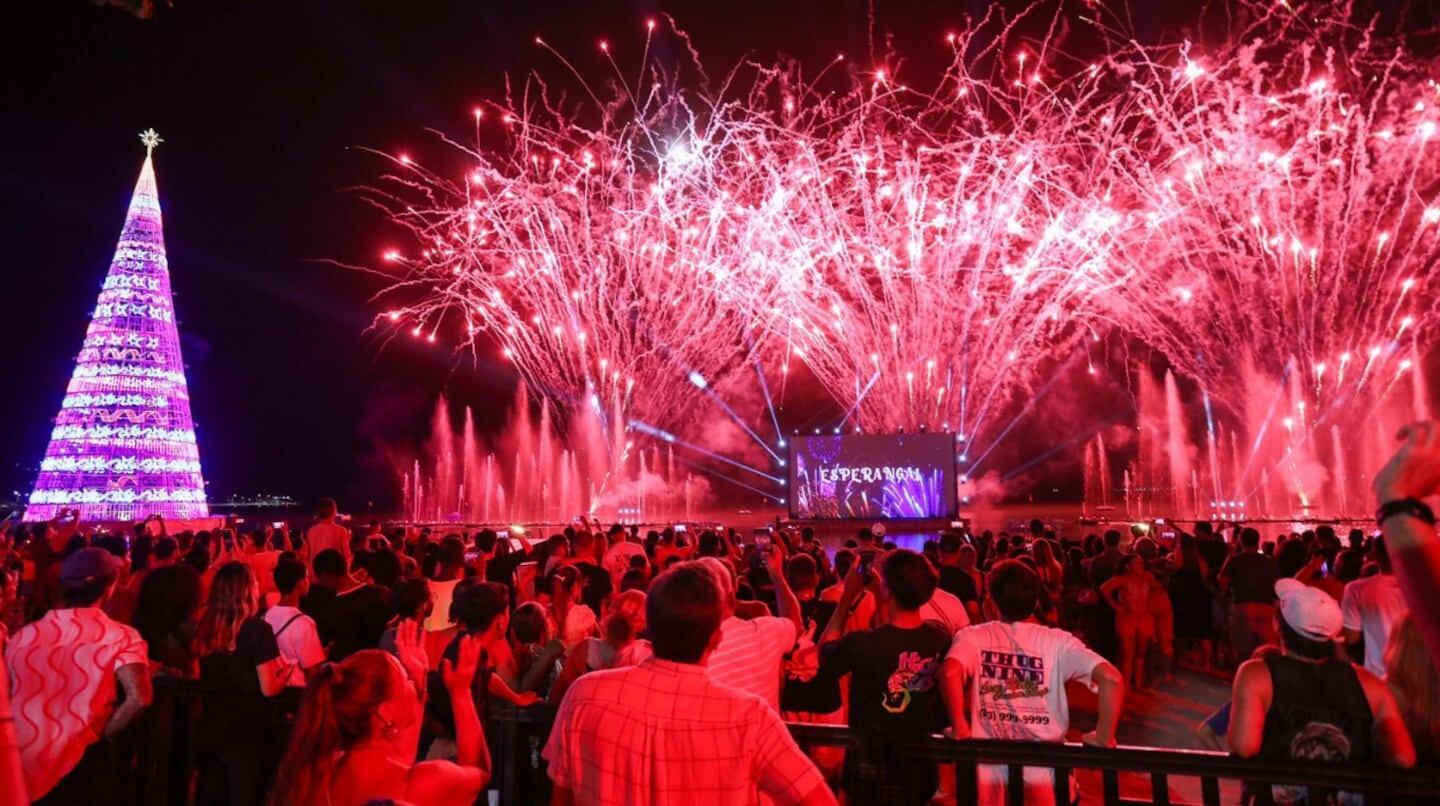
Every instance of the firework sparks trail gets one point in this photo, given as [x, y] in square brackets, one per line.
[1290, 236]
[948, 237]
[614, 266]
[1264, 207]
[1288, 193]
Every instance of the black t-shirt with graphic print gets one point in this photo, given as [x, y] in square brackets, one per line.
[894, 684]
[894, 695]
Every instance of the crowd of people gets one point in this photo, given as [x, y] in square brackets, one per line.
[674, 659]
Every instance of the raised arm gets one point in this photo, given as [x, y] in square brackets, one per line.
[1414, 472]
[461, 781]
[470, 748]
[849, 595]
[787, 606]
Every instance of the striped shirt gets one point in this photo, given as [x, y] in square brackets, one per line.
[750, 653]
[63, 688]
[665, 734]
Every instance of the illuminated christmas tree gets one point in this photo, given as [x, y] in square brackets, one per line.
[123, 447]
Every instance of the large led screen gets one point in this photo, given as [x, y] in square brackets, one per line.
[864, 476]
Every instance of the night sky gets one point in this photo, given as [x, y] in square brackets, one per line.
[264, 107]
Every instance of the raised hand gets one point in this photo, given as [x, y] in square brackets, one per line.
[1414, 470]
[410, 646]
[459, 675]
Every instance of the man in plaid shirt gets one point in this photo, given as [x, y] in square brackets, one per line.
[664, 733]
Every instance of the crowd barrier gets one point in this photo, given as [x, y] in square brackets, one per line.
[163, 763]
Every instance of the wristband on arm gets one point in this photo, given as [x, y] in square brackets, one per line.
[1413, 507]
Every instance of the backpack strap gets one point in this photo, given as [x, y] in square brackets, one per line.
[287, 624]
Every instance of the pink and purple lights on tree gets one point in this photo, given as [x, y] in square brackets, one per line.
[123, 447]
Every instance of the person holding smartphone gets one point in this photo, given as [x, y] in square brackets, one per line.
[750, 652]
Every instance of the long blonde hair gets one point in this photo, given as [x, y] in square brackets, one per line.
[1411, 676]
[233, 601]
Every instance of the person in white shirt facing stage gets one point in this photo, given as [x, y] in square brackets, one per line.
[1371, 607]
[1005, 679]
[295, 632]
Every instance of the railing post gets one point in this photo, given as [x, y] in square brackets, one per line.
[1061, 785]
[509, 737]
[967, 784]
[1210, 790]
[1014, 785]
[1110, 783]
[1160, 788]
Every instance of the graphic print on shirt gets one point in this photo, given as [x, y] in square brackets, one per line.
[913, 673]
[1317, 741]
[1012, 688]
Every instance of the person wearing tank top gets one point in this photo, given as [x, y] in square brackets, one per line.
[1303, 704]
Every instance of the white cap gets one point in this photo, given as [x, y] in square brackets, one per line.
[1309, 611]
[878, 529]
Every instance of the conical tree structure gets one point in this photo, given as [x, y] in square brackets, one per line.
[123, 447]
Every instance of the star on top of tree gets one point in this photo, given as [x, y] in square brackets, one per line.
[150, 138]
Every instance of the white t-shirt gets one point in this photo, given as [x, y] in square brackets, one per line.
[749, 654]
[443, 594]
[617, 559]
[946, 608]
[1373, 605]
[299, 642]
[1017, 673]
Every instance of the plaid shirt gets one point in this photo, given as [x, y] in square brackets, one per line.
[665, 733]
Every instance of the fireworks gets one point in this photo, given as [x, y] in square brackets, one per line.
[1290, 247]
[946, 238]
[1289, 198]
[615, 266]
[1262, 208]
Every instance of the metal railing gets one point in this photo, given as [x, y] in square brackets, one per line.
[1378, 784]
[163, 762]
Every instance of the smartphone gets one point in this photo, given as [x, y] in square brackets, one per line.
[1160, 521]
[503, 534]
[761, 538]
[1325, 568]
[867, 561]
[515, 544]
[680, 528]
[278, 525]
[471, 556]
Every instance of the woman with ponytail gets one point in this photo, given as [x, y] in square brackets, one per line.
[355, 737]
[570, 619]
[240, 667]
[621, 646]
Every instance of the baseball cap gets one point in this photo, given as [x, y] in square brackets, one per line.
[87, 565]
[1309, 611]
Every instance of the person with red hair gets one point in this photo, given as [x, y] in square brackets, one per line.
[356, 734]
